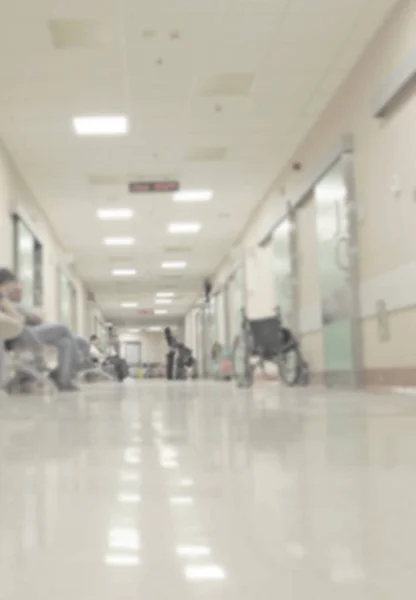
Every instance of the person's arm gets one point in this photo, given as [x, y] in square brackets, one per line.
[34, 316]
[31, 316]
[7, 307]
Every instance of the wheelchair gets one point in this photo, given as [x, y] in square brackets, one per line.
[266, 340]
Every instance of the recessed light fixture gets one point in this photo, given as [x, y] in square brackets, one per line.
[165, 295]
[164, 301]
[119, 241]
[181, 500]
[193, 196]
[105, 125]
[160, 312]
[134, 330]
[184, 227]
[126, 538]
[132, 456]
[169, 464]
[154, 329]
[115, 214]
[174, 264]
[129, 304]
[122, 560]
[187, 482]
[129, 498]
[124, 272]
[193, 551]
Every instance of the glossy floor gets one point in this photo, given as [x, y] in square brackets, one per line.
[195, 491]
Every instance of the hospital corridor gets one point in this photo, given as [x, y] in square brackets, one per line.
[207, 299]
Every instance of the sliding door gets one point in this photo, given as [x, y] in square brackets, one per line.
[333, 229]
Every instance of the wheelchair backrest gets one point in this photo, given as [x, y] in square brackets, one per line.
[266, 332]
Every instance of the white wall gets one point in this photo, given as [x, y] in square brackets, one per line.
[16, 197]
[154, 347]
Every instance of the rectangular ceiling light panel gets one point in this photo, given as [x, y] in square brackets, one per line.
[174, 264]
[119, 241]
[184, 228]
[115, 214]
[101, 126]
[124, 272]
[193, 196]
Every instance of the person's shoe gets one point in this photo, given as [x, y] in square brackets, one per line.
[62, 387]
[68, 387]
[54, 376]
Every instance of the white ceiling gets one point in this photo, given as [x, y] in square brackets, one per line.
[283, 59]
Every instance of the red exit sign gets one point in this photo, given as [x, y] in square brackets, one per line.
[145, 187]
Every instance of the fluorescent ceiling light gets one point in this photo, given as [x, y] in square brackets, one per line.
[111, 125]
[181, 500]
[193, 196]
[187, 482]
[124, 539]
[124, 272]
[119, 241]
[184, 227]
[129, 305]
[168, 453]
[122, 560]
[134, 330]
[154, 329]
[193, 551]
[205, 573]
[169, 464]
[129, 498]
[114, 214]
[160, 312]
[132, 456]
[164, 301]
[174, 264]
[165, 295]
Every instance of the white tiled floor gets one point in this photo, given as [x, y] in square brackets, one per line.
[195, 491]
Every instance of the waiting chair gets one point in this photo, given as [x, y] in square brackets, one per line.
[24, 374]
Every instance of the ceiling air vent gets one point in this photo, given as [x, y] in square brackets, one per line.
[178, 249]
[120, 259]
[98, 179]
[209, 154]
[228, 84]
[80, 33]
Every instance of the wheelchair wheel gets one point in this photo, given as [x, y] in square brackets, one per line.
[242, 370]
[290, 365]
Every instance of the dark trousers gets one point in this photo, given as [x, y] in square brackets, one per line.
[170, 359]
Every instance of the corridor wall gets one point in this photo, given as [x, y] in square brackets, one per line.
[153, 345]
[17, 198]
[385, 188]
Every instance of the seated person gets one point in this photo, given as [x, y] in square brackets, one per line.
[95, 352]
[11, 322]
[11, 326]
[36, 334]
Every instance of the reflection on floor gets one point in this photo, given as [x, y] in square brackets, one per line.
[192, 491]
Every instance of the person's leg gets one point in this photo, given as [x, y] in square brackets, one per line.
[29, 339]
[61, 338]
[83, 348]
[170, 358]
[2, 364]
